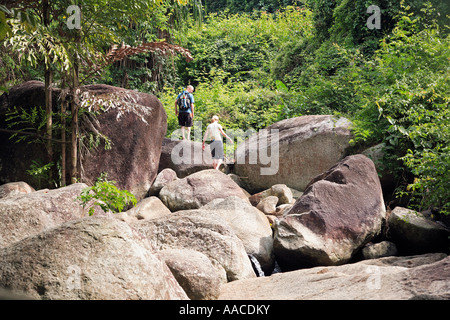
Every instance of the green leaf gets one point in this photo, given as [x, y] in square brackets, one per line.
[106, 195]
[281, 86]
[4, 27]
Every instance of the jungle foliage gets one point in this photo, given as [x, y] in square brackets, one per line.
[257, 62]
[255, 68]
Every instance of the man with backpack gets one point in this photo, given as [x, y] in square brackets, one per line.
[184, 109]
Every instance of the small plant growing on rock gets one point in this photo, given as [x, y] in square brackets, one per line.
[106, 195]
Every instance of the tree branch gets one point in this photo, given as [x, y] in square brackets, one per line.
[32, 134]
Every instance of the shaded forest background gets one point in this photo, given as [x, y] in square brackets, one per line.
[258, 62]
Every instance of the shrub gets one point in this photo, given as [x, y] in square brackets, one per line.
[410, 95]
[106, 195]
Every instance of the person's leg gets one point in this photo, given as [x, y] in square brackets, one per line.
[219, 154]
[181, 123]
[213, 154]
[189, 124]
[188, 129]
[218, 163]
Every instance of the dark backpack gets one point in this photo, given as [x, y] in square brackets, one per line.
[184, 101]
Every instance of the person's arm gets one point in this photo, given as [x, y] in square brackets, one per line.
[225, 135]
[191, 98]
[204, 138]
[176, 107]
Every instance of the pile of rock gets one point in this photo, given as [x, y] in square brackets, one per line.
[52, 250]
[203, 233]
[198, 233]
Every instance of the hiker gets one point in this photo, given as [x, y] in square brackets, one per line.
[184, 109]
[215, 131]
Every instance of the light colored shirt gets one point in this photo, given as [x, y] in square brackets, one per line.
[214, 131]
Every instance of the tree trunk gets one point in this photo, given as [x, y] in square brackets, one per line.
[74, 108]
[63, 139]
[49, 110]
[48, 94]
[74, 142]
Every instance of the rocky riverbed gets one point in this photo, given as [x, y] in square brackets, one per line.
[225, 246]
[295, 215]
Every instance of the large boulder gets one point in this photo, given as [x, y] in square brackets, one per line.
[95, 258]
[203, 232]
[136, 136]
[25, 215]
[194, 272]
[292, 152]
[340, 211]
[198, 189]
[399, 278]
[250, 225]
[135, 125]
[415, 234]
[184, 157]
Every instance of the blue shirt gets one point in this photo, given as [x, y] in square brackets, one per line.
[191, 97]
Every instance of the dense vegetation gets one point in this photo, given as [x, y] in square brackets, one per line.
[257, 62]
[69, 44]
[256, 68]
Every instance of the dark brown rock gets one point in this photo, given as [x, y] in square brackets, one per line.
[136, 145]
[184, 157]
[340, 211]
[135, 128]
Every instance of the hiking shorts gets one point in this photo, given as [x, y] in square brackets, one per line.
[184, 119]
[216, 147]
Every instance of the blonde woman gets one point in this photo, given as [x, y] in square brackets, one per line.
[215, 132]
